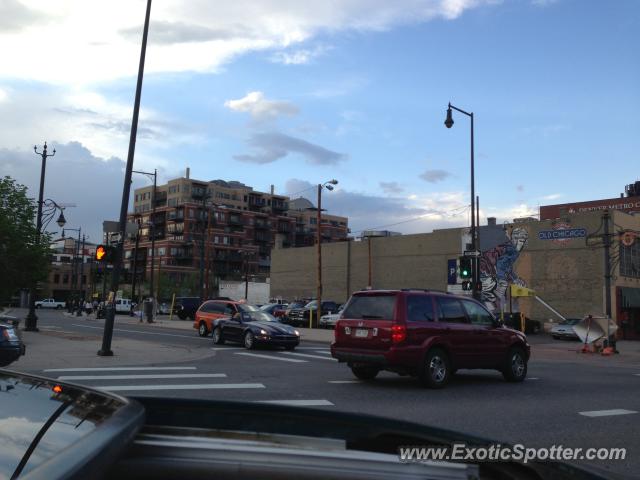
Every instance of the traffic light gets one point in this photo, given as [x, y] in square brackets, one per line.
[466, 267]
[104, 254]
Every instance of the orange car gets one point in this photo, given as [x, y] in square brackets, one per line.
[214, 309]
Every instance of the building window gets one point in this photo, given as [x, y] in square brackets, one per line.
[162, 251]
[630, 260]
[84, 279]
[56, 278]
[65, 278]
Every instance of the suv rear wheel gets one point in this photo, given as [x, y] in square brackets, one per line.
[436, 370]
[365, 373]
[515, 368]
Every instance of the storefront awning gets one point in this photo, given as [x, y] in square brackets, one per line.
[630, 297]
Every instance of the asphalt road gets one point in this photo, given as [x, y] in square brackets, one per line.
[545, 410]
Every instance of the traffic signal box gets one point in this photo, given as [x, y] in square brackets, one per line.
[105, 254]
[466, 268]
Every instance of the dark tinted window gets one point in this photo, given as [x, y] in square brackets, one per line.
[450, 310]
[477, 313]
[228, 309]
[419, 308]
[370, 306]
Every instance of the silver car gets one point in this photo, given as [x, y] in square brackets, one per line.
[329, 320]
[564, 329]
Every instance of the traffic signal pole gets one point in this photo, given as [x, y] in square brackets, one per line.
[105, 350]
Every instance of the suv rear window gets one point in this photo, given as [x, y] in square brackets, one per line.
[370, 306]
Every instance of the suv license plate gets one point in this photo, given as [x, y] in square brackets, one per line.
[362, 333]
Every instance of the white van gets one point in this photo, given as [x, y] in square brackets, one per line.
[123, 305]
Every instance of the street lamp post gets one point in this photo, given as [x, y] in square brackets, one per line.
[105, 349]
[329, 186]
[31, 320]
[474, 245]
[152, 224]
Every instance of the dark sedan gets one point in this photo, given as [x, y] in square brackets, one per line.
[11, 346]
[253, 329]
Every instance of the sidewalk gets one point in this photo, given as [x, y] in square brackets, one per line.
[52, 348]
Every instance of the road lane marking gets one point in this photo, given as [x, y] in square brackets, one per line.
[141, 333]
[141, 377]
[298, 403]
[324, 352]
[306, 355]
[221, 349]
[272, 357]
[532, 378]
[607, 413]
[345, 381]
[115, 369]
[210, 386]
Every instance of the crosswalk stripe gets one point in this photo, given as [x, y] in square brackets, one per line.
[306, 355]
[115, 369]
[272, 357]
[141, 333]
[298, 403]
[141, 377]
[210, 386]
[324, 352]
[607, 413]
[345, 381]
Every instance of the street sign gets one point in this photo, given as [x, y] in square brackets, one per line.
[471, 253]
[518, 291]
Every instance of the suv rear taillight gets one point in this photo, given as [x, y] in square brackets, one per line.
[398, 333]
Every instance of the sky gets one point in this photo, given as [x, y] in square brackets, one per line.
[292, 94]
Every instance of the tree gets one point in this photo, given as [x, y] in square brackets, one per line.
[23, 261]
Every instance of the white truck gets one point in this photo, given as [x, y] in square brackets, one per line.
[49, 303]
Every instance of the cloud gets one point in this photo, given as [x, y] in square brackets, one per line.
[260, 108]
[14, 16]
[84, 42]
[553, 196]
[270, 147]
[300, 56]
[168, 33]
[520, 188]
[366, 211]
[391, 187]
[434, 176]
[75, 176]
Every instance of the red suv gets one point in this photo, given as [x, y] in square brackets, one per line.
[427, 334]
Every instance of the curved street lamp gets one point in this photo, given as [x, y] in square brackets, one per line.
[329, 186]
[474, 243]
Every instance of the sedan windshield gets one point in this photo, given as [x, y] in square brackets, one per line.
[248, 308]
[258, 316]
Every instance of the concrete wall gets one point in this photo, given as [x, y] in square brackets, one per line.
[257, 293]
[566, 273]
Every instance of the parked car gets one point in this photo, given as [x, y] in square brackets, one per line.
[276, 309]
[292, 306]
[186, 307]
[299, 317]
[11, 346]
[564, 329]
[426, 334]
[124, 305]
[512, 320]
[49, 303]
[329, 320]
[253, 328]
[214, 309]
[163, 309]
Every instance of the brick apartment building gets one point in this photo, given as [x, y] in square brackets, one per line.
[228, 224]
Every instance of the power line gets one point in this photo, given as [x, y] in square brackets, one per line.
[450, 213]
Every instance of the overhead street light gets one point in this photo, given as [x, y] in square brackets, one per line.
[329, 186]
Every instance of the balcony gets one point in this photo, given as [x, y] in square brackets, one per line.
[261, 224]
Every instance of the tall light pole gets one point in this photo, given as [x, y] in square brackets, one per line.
[31, 321]
[474, 245]
[105, 350]
[152, 224]
[329, 186]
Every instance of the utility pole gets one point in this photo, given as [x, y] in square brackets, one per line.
[207, 260]
[31, 321]
[203, 231]
[81, 295]
[319, 247]
[105, 350]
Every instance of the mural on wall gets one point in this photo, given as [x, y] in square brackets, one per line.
[497, 269]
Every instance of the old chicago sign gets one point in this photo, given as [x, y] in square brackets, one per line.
[562, 233]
